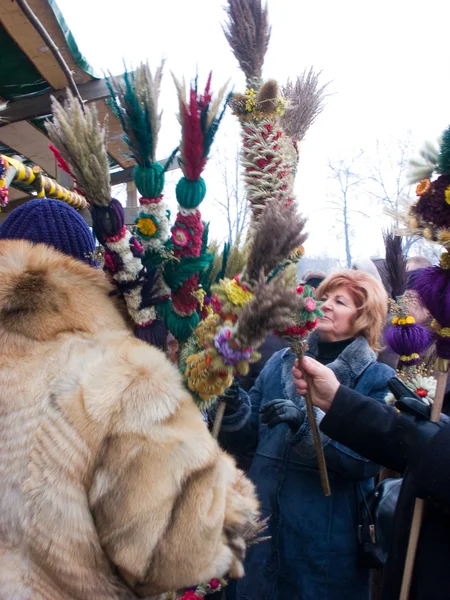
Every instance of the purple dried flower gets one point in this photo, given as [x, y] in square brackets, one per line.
[433, 287]
[230, 356]
[407, 340]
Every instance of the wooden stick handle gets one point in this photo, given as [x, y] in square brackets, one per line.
[412, 548]
[218, 418]
[419, 505]
[321, 462]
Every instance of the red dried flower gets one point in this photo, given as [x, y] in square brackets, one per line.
[187, 234]
[191, 596]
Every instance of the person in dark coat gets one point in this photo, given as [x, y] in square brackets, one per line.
[408, 444]
[313, 548]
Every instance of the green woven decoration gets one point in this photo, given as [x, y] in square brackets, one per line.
[190, 193]
[180, 327]
[149, 180]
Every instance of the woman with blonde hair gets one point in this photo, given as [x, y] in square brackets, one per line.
[313, 550]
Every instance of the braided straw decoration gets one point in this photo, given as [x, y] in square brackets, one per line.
[266, 168]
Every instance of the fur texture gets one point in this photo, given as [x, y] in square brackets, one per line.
[112, 487]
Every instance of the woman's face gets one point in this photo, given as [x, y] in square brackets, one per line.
[339, 312]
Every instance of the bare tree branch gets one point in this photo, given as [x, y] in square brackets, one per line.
[233, 202]
[347, 179]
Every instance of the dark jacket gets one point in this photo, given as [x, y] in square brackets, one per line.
[271, 344]
[313, 547]
[372, 430]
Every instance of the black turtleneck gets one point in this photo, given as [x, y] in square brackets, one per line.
[329, 351]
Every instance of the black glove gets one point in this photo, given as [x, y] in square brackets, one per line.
[282, 411]
[400, 391]
[231, 398]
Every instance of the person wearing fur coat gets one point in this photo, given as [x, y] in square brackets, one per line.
[111, 485]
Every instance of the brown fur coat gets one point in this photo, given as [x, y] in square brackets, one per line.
[111, 485]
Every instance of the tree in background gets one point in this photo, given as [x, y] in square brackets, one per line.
[233, 200]
[386, 179]
[345, 200]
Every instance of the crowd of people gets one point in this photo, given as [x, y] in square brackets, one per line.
[112, 486]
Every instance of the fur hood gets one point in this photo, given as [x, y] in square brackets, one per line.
[112, 486]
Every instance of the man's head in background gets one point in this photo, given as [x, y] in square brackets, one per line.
[314, 278]
[417, 262]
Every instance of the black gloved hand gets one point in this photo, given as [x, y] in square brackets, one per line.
[282, 411]
[231, 398]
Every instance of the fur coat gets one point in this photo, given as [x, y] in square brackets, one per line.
[111, 485]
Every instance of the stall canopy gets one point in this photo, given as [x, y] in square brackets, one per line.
[30, 75]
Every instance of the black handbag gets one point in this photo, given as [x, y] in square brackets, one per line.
[376, 518]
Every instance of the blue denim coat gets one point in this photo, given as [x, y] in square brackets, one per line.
[312, 554]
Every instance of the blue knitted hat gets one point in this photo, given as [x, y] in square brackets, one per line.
[51, 222]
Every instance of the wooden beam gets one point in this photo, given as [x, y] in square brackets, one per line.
[15, 195]
[116, 146]
[126, 175]
[132, 200]
[40, 106]
[30, 142]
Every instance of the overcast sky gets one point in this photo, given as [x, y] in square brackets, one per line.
[388, 62]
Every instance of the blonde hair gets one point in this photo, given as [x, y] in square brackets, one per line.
[370, 298]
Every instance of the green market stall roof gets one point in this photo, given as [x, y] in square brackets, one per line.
[29, 75]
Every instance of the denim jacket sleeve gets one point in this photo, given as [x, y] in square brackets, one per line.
[339, 458]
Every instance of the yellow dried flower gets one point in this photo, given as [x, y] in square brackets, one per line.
[409, 320]
[441, 331]
[281, 107]
[250, 103]
[413, 356]
[447, 194]
[147, 226]
[236, 294]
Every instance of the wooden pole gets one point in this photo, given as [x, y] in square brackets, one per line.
[300, 350]
[419, 505]
[219, 418]
[321, 462]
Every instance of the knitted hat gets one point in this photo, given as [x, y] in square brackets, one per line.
[51, 222]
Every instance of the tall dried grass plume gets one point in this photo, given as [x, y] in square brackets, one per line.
[305, 100]
[79, 136]
[248, 33]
